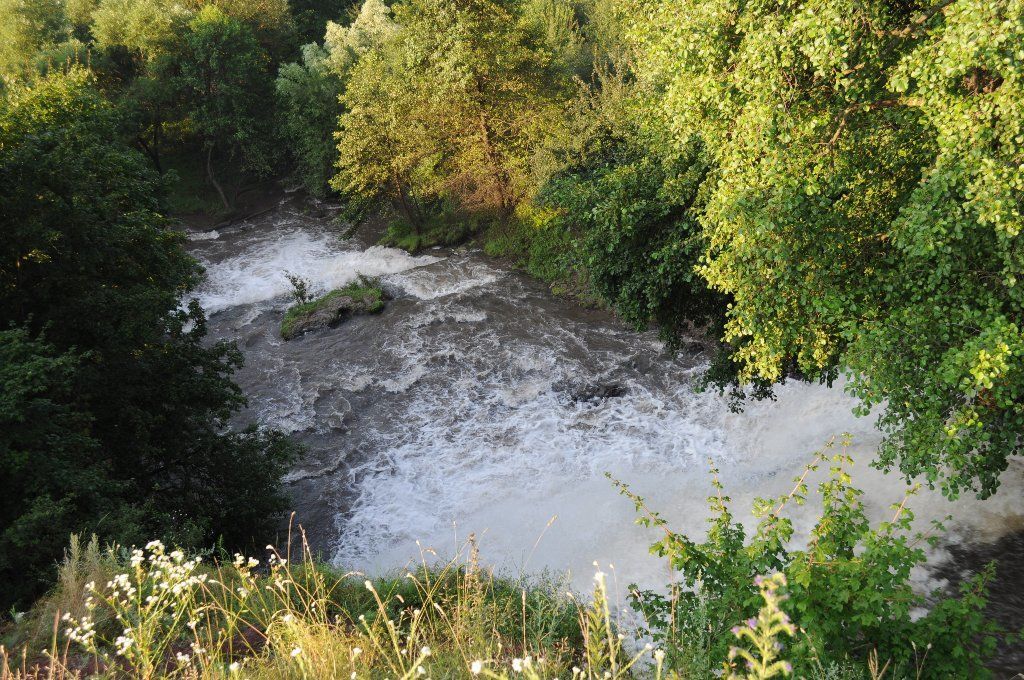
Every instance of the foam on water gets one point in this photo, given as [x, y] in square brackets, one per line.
[526, 474]
[209, 235]
[440, 282]
[256, 274]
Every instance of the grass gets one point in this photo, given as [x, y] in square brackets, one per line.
[158, 614]
[365, 292]
[441, 230]
[162, 614]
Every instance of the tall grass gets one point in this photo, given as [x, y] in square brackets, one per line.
[157, 613]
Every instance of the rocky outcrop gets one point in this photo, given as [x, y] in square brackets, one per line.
[330, 310]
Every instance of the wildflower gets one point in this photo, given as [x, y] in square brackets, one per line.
[476, 667]
[517, 665]
[123, 643]
[368, 584]
[425, 651]
[420, 670]
[287, 618]
[296, 652]
[356, 651]
[659, 655]
[234, 667]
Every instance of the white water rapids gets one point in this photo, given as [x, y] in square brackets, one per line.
[478, 402]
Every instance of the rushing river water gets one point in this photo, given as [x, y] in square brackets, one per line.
[478, 402]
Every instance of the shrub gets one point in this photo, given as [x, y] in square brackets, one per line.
[848, 591]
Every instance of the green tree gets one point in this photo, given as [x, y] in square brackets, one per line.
[27, 26]
[51, 474]
[224, 82]
[449, 108]
[863, 205]
[108, 377]
[308, 108]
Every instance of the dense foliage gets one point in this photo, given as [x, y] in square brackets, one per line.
[114, 410]
[865, 209]
[848, 592]
[446, 108]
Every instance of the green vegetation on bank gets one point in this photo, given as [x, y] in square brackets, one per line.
[841, 609]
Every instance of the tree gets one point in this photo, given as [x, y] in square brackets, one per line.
[224, 81]
[447, 109]
[27, 26]
[121, 408]
[863, 205]
[307, 96]
[50, 472]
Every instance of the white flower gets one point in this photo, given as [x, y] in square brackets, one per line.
[659, 655]
[123, 643]
[356, 651]
[420, 670]
[477, 667]
[425, 651]
[296, 652]
[288, 618]
[517, 665]
[369, 586]
[234, 667]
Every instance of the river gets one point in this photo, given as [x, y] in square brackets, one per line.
[478, 402]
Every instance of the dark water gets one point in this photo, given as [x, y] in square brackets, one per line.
[479, 402]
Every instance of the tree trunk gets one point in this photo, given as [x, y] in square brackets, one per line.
[500, 180]
[410, 211]
[213, 180]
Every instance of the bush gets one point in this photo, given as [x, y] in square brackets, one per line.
[848, 592]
